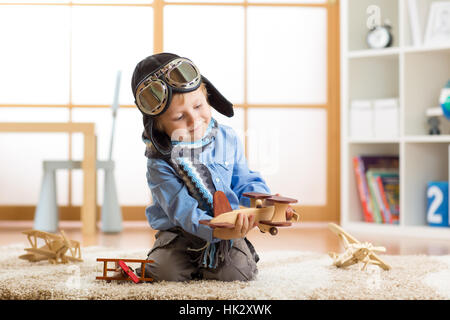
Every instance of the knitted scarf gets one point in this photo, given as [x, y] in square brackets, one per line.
[186, 159]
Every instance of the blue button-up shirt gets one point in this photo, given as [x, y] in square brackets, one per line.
[173, 205]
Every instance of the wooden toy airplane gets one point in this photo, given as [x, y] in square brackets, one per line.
[355, 251]
[123, 271]
[54, 250]
[269, 211]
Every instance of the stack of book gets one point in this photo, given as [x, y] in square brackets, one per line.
[377, 180]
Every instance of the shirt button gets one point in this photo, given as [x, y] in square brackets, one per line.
[217, 179]
[226, 163]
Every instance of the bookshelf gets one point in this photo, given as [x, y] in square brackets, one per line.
[414, 75]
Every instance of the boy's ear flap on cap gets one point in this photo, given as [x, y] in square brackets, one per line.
[160, 140]
[217, 100]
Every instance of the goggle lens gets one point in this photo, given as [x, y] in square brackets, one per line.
[152, 96]
[183, 73]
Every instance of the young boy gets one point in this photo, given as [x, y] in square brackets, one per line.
[190, 157]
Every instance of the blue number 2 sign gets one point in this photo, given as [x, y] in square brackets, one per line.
[437, 208]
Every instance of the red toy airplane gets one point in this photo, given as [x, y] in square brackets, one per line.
[128, 271]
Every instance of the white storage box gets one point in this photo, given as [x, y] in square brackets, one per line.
[386, 118]
[361, 119]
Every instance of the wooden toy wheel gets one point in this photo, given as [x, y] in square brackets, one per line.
[273, 231]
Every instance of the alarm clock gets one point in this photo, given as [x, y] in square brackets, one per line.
[379, 37]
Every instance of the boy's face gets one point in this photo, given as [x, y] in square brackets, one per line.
[187, 118]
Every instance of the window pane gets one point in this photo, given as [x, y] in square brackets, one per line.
[113, 1]
[128, 154]
[287, 55]
[288, 148]
[252, 1]
[288, 1]
[236, 121]
[22, 155]
[131, 163]
[35, 1]
[209, 1]
[35, 51]
[33, 114]
[103, 122]
[21, 167]
[106, 39]
[214, 41]
[81, 1]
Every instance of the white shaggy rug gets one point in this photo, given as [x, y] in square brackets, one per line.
[282, 275]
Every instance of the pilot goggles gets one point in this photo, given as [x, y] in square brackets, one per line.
[154, 93]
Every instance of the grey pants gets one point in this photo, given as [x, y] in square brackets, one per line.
[174, 262]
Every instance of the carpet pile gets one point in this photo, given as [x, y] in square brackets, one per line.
[282, 275]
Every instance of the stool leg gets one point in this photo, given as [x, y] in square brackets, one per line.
[46, 216]
[111, 213]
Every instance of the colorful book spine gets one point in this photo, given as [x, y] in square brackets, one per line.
[363, 190]
[385, 204]
[377, 212]
[391, 190]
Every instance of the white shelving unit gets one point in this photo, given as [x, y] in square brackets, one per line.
[413, 74]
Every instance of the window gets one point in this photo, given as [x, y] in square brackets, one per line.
[60, 60]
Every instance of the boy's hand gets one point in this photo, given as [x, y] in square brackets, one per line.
[289, 211]
[243, 225]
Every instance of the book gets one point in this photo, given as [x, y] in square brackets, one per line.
[391, 189]
[362, 190]
[383, 202]
[381, 206]
[377, 215]
[362, 164]
[386, 209]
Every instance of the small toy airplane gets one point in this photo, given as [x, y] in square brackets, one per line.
[123, 271]
[355, 251]
[269, 211]
[55, 248]
[128, 271]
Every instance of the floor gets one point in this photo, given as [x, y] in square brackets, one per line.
[313, 237]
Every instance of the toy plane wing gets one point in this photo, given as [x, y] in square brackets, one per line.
[347, 238]
[342, 234]
[55, 248]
